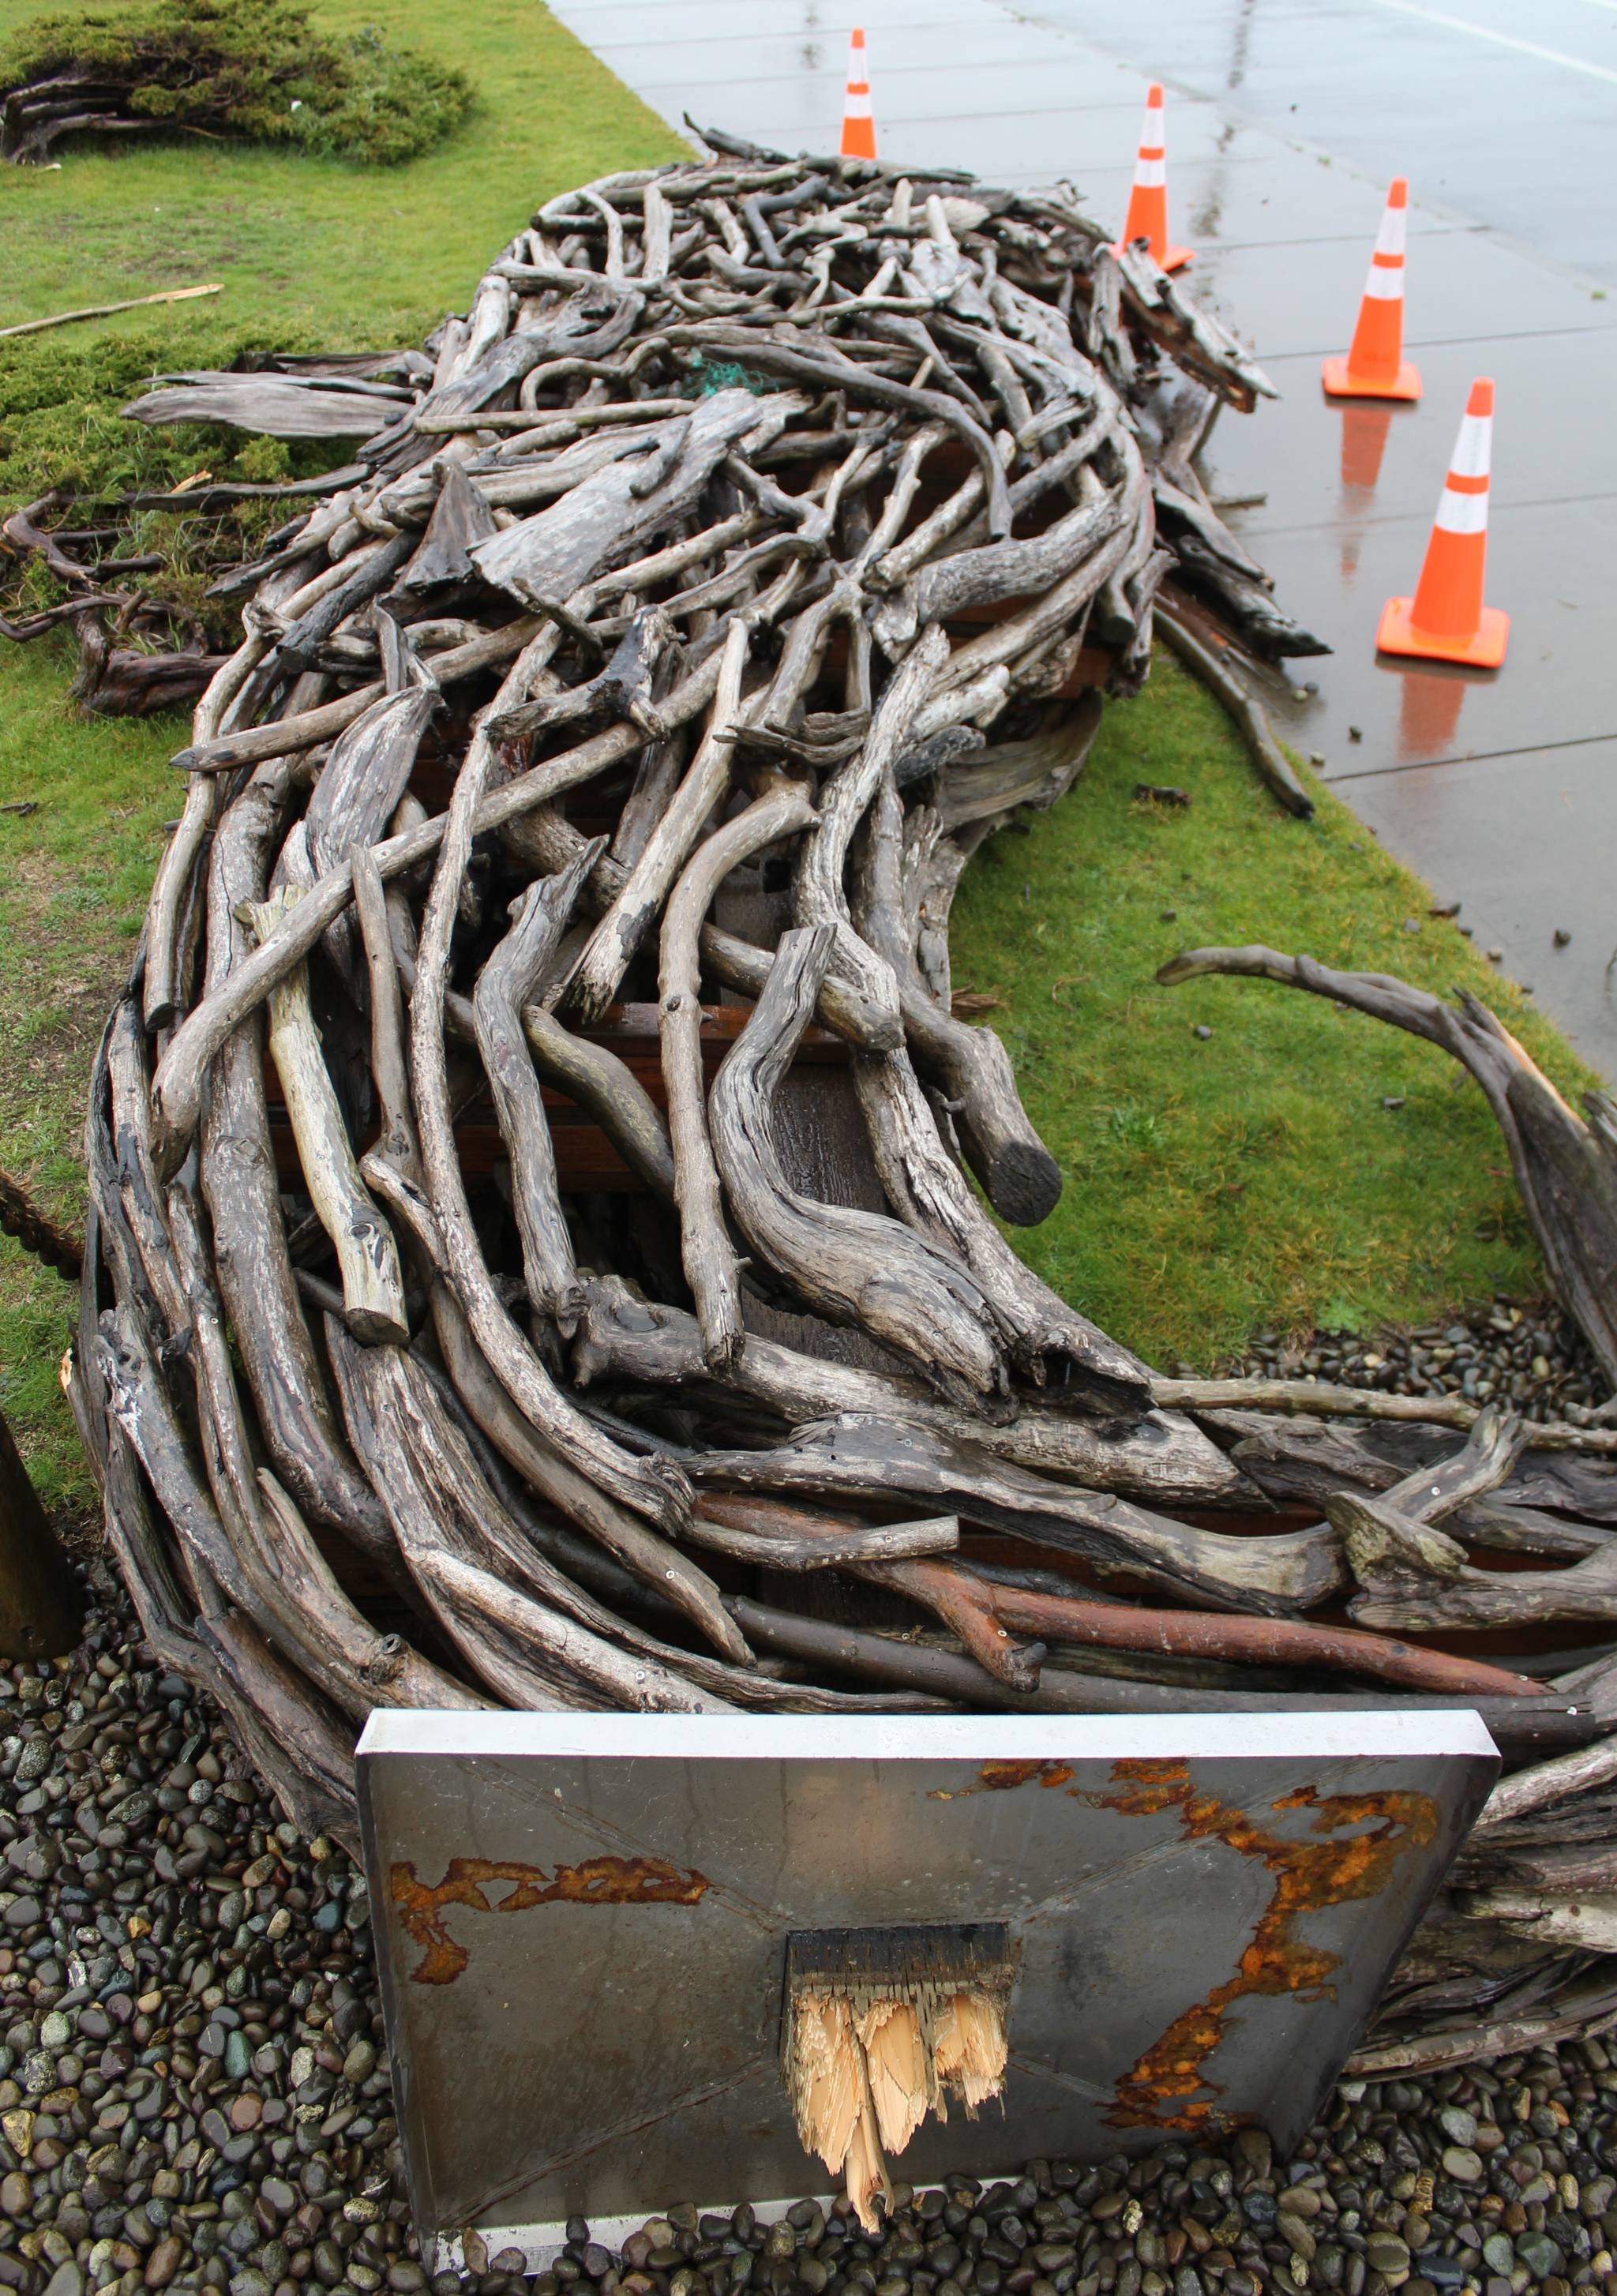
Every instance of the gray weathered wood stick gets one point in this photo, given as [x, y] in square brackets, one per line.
[162, 1598]
[396, 1142]
[176, 1087]
[793, 1538]
[827, 365]
[182, 856]
[373, 1669]
[219, 753]
[606, 956]
[443, 1508]
[509, 978]
[650, 1487]
[605, 1086]
[921, 1180]
[242, 1192]
[873, 1459]
[1047, 618]
[1587, 2010]
[633, 1545]
[372, 1288]
[1564, 1168]
[711, 1266]
[653, 1560]
[733, 962]
[1549, 1783]
[1165, 1461]
[1325, 1398]
[1249, 717]
[854, 1267]
[1020, 1177]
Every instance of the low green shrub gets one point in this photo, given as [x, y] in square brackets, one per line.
[254, 68]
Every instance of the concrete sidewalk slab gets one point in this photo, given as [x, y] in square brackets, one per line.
[1322, 460]
[1470, 289]
[1506, 113]
[1553, 570]
[1468, 827]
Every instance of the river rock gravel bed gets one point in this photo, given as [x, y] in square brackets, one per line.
[1530, 1356]
[195, 2091]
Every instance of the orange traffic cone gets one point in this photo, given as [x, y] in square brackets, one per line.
[1147, 218]
[1446, 619]
[1374, 366]
[858, 122]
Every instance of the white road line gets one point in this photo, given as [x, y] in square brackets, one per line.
[1501, 39]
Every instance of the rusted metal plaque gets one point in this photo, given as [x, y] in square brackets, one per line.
[584, 1924]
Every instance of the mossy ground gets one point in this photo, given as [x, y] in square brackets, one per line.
[1213, 1185]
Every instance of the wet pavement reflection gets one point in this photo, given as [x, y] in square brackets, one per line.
[1284, 124]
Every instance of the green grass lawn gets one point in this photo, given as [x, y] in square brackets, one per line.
[1213, 1186]
[1253, 1177]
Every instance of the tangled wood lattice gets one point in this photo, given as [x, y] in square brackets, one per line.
[534, 1253]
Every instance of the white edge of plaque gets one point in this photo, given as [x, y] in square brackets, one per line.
[1370, 1733]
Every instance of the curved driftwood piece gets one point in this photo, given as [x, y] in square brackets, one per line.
[372, 1288]
[851, 1267]
[441, 1506]
[649, 1488]
[176, 869]
[1158, 1457]
[1250, 720]
[652, 1559]
[1020, 1177]
[511, 976]
[1565, 1168]
[851, 1458]
[1551, 1781]
[711, 1266]
[236, 1168]
[601, 967]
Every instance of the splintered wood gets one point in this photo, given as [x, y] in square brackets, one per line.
[867, 2058]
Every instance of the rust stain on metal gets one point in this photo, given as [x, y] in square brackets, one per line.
[1168, 2086]
[1002, 1777]
[596, 1882]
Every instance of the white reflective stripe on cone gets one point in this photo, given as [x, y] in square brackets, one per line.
[1458, 513]
[1384, 284]
[1393, 237]
[857, 104]
[1150, 175]
[1474, 448]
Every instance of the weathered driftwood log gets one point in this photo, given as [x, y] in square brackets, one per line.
[530, 1163]
[1565, 1168]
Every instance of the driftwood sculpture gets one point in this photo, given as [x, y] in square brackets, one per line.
[540, 1247]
